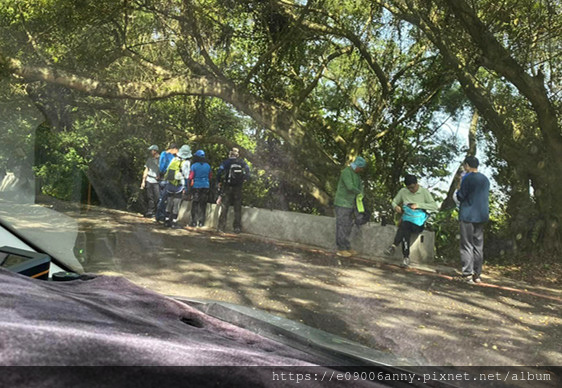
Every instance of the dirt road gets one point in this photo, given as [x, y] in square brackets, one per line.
[420, 316]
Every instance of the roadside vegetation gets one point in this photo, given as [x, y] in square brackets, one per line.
[301, 88]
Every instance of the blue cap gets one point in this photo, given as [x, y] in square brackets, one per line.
[200, 153]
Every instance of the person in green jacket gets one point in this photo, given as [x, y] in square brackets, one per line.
[414, 203]
[350, 186]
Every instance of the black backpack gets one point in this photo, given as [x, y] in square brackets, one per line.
[236, 173]
[362, 218]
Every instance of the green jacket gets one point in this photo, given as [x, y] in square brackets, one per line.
[349, 186]
[422, 198]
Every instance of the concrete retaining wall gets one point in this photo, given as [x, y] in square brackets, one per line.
[369, 240]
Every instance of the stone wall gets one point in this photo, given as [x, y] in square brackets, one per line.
[369, 240]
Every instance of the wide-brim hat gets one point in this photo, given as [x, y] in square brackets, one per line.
[184, 152]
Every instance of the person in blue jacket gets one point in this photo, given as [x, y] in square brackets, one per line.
[200, 183]
[163, 163]
[473, 197]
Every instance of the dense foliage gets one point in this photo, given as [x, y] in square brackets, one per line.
[302, 88]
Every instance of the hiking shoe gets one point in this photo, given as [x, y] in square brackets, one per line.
[390, 250]
[237, 230]
[193, 225]
[476, 279]
[406, 262]
[168, 223]
[175, 225]
[200, 224]
[467, 279]
[353, 252]
[344, 253]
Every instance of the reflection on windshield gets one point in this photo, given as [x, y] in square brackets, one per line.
[50, 230]
[349, 167]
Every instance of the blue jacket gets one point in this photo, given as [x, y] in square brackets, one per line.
[416, 217]
[474, 198]
[165, 159]
[200, 175]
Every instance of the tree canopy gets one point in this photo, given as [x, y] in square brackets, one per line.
[302, 87]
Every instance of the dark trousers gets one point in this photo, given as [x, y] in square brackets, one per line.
[405, 231]
[232, 195]
[153, 195]
[472, 248]
[344, 224]
[162, 202]
[199, 206]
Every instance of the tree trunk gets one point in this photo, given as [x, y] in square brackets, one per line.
[449, 202]
[547, 189]
[496, 58]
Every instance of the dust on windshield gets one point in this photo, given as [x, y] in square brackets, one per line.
[383, 171]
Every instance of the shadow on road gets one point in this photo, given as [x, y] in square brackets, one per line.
[434, 320]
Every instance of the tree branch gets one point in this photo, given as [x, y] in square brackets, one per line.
[497, 58]
[193, 29]
[355, 40]
[306, 91]
[158, 70]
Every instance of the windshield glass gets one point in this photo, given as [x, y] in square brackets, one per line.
[375, 170]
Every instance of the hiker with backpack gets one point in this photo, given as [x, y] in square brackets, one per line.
[199, 183]
[176, 176]
[163, 163]
[236, 172]
[414, 203]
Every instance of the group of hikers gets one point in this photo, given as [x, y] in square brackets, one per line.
[414, 204]
[177, 174]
